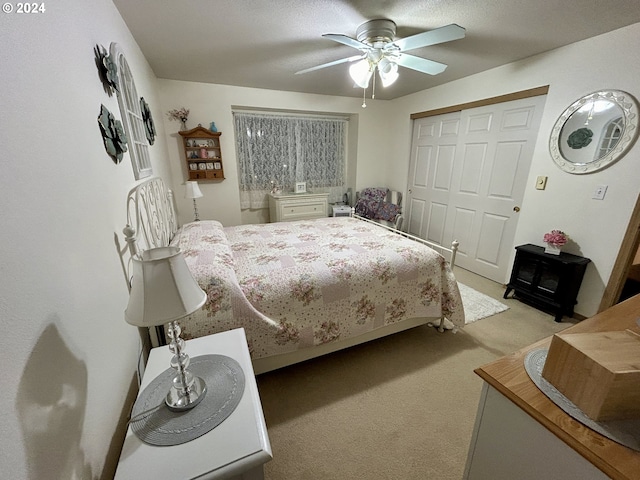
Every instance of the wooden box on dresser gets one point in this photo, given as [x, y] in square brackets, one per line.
[202, 154]
[286, 207]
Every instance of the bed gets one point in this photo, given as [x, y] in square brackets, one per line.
[299, 289]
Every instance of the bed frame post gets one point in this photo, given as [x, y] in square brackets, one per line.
[130, 238]
[454, 250]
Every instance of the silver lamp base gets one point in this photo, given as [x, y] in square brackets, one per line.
[187, 390]
[177, 400]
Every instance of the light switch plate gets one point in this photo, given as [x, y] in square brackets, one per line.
[541, 182]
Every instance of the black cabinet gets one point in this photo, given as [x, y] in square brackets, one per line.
[546, 280]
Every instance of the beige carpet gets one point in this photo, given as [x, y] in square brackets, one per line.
[402, 407]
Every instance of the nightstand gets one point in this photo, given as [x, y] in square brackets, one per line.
[236, 449]
[341, 211]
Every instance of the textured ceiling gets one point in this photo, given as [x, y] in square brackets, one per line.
[263, 43]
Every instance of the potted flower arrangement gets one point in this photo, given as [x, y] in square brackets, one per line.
[180, 114]
[555, 240]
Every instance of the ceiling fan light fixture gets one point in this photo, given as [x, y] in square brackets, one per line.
[361, 73]
[388, 71]
[380, 50]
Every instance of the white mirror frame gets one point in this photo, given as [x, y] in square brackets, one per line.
[629, 107]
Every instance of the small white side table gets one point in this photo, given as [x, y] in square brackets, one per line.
[341, 211]
[237, 448]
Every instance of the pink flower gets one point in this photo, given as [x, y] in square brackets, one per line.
[556, 237]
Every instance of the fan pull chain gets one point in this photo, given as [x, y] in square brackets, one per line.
[373, 91]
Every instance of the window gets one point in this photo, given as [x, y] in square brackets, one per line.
[129, 103]
[611, 134]
[287, 149]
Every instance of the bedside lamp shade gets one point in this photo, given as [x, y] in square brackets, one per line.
[162, 289]
[193, 190]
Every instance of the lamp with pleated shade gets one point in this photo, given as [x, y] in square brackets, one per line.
[162, 292]
[193, 192]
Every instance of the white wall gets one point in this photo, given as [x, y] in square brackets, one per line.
[597, 227]
[207, 103]
[68, 357]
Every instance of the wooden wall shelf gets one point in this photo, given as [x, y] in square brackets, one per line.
[202, 153]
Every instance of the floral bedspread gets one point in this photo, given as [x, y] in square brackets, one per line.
[294, 285]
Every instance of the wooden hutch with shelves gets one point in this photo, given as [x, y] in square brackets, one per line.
[202, 154]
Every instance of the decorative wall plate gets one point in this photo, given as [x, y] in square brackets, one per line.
[107, 70]
[113, 136]
[149, 126]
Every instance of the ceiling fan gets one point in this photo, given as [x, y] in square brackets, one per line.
[379, 50]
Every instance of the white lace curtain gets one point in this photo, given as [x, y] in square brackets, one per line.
[289, 149]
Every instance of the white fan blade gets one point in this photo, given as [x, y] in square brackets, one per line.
[330, 64]
[420, 64]
[351, 42]
[432, 37]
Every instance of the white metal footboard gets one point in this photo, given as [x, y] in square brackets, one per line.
[451, 252]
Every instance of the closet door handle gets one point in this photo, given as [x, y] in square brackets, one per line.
[516, 209]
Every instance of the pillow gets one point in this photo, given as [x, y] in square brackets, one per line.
[208, 254]
[367, 208]
[202, 235]
[375, 193]
[388, 211]
[369, 202]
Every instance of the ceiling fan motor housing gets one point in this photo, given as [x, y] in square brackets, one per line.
[380, 30]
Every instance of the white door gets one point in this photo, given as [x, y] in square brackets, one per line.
[467, 176]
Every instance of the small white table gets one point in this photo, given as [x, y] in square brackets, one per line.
[237, 448]
[341, 211]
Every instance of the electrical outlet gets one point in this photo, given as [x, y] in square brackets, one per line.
[541, 182]
[600, 192]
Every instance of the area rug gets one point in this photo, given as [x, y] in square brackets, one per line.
[478, 305]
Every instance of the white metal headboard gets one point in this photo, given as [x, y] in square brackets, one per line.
[151, 216]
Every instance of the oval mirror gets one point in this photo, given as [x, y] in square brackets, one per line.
[594, 131]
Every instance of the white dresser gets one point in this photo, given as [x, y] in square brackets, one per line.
[522, 434]
[286, 207]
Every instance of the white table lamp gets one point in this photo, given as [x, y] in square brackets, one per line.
[193, 192]
[163, 291]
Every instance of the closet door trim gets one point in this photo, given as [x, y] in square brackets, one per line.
[532, 92]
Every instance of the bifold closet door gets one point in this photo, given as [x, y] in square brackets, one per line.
[467, 176]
